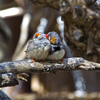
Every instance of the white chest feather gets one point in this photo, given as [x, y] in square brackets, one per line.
[56, 55]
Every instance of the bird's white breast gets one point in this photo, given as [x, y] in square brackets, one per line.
[58, 55]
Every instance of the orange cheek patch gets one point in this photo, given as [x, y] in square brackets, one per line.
[37, 34]
[53, 40]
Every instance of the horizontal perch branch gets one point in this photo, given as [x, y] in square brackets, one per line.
[27, 66]
[13, 70]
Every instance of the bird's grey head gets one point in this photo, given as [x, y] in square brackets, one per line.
[39, 35]
[54, 37]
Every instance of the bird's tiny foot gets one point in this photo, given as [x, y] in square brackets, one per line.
[54, 61]
[33, 61]
[44, 61]
[62, 60]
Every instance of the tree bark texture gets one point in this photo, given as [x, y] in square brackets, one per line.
[82, 25]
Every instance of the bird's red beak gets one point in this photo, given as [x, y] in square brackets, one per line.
[47, 36]
[37, 34]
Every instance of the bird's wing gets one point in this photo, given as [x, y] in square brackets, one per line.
[35, 44]
[32, 45]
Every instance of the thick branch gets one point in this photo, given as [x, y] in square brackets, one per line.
[27, 66]
[8, 79]
[13, 70]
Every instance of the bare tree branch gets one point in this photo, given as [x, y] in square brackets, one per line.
[20, 67]
[27, 66]
[8, 79]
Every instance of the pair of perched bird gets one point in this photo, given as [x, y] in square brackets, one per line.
[45, 47]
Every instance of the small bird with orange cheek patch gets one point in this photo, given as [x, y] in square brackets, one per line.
[56, 51]
[39, 47]
[38, 34]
